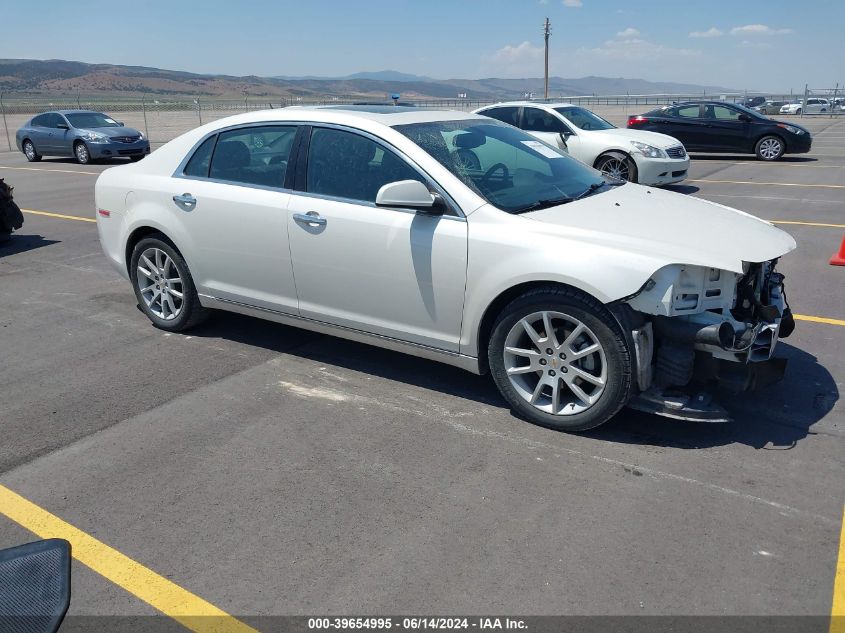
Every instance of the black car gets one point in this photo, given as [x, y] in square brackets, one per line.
[716, 126]
[752, 102]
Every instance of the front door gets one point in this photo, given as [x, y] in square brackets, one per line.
[387, 271]
[550, 129]
[725, 128]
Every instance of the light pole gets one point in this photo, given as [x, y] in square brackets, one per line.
[547, 30]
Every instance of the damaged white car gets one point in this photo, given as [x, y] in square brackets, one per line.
[579, 294]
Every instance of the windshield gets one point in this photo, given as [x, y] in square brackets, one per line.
[91, 119]
[507, 167]
[584, 119]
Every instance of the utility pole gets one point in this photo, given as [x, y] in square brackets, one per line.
[547, 30]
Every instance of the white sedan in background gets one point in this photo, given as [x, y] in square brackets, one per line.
[641, 156]
[454, 237]
[811, 106]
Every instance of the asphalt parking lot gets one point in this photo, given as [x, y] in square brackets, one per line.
[269, 471]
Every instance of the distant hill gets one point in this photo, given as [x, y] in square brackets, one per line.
[59, 76]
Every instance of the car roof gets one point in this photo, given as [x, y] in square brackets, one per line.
[73, 112]
[543, 104]
[350, 114]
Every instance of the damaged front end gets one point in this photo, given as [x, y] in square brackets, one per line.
[693, 325]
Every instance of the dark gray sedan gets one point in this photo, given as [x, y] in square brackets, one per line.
[84, 134]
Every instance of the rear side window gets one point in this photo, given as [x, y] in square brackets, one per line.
[685, 112]
[201, 160]
[41, 120]
[537, 120]
[347, 165]
[253, 156]
[509, 115]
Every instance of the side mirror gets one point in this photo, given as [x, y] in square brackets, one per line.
[35, 586]
[411, 194]
[121, 123]
[62, 126]
[745, 117]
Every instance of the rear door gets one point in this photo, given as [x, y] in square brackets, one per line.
[685, 124]
[232, 201]
[38, 132]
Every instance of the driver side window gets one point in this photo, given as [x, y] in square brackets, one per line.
[537, 120]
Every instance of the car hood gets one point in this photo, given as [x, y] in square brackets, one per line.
[675, 228]
[623, 135]
[113, 132]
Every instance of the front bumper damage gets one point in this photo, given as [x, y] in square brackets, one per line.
[706, 327]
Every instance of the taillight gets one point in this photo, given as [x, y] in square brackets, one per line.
[637, 120]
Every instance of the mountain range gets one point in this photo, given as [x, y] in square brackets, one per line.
[37, 77]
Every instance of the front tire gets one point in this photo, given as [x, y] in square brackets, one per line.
[30, 152]
[163, 285]
[770, 148]
[560, 359]
[81, 153]
[617, 165]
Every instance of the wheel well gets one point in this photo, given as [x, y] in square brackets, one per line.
[498, 304]
[136, 236]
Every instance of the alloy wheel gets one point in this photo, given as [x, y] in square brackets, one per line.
[615, 168]
[555, 363]
[82, 153]
[770, 148]
[160, 284]
[29, 150]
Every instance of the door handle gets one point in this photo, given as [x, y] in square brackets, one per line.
[312, 217]
[186, 201]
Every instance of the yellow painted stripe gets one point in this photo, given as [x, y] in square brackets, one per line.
[837, 610]
[60, 171]
[815, 319]
[172, 600]
[768, 184]
[59, 215]
[822, 224]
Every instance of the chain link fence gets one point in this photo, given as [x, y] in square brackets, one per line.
[164, 118]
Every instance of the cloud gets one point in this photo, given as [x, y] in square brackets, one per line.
[630, 46]
[628, 33]
[711, 32]
[525, 52]
[544, 1]
[758, 29]
[573, 3]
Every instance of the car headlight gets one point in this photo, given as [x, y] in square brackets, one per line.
[95, 137]
[141, 136]
[648, 150]
[791, 128]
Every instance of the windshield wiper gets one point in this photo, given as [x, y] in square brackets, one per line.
[543, 204]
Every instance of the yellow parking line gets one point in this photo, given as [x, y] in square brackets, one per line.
[61, 171]
[59, 215]
[770, 184]
[167, 597]
[822, 224]
[815, 319]
[837, 610]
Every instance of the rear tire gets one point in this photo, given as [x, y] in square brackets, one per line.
[163, 285]
[569, 368]
[770, 148]
[30, 152]
[617, 165]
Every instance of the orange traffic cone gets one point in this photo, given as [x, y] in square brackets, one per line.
[838, 259]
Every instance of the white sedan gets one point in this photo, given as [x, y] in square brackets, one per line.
[458, 238]
[639, 156]
[811, 106]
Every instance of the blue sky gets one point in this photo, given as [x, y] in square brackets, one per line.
[753, 44]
